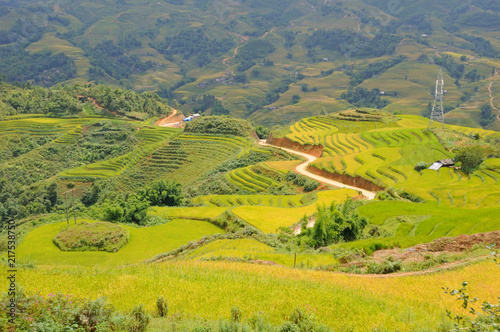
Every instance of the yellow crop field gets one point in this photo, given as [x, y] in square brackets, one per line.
[209, 289]
[269, 219]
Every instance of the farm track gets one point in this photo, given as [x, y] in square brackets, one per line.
[437, 269]
[302, 169]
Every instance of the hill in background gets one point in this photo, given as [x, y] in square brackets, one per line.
[271, 62]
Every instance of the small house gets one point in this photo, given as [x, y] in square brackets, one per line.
[442, 163]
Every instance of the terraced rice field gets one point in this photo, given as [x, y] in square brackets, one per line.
[407, 224]
[243, 144]
[269, 218]
[250, 249]
[151, 139]
[386, 154]
[41, 126]
[70, 136]
[240, 200]
[247, 179]
[180, 160]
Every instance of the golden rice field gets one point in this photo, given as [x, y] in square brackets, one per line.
[268, 219]
[209, 290]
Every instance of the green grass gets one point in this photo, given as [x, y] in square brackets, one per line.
[40, 126]
[144, 243]
[180, 160]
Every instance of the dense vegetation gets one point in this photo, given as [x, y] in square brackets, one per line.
[110, 59]
[189, 43]
[43, 68]
[364, 98]
[67, 100]
[219, 125]
[349, 43]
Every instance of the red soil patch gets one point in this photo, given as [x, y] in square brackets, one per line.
[313, 150]
[355, 181]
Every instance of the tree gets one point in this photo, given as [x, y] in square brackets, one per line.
[136, 211]
[338, 222]
[470, 157]
[240, 78]
[295, 99]
[262, 132]
[163, 193]
[486, 111]
[487, 116]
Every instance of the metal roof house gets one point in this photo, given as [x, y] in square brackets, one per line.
[442, 163]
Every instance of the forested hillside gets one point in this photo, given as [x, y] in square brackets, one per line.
[271, 62]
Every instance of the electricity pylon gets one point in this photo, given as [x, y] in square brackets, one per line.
[437, 113]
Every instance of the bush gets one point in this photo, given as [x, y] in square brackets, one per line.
[311, 185]
[162, 307]
[98, 236]
[58, 312]
[140, 319]
[386, 267]
[235, 314]
[421, 166]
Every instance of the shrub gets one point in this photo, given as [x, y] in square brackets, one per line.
[411, 197]
[140, 319]
[386, 267]
[163, 193]
[235, 314]
[421, 166]
[311, 185]
[58, 312]
[98, 236]
[162, 307]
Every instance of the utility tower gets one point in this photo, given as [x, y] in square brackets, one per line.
[437, 113]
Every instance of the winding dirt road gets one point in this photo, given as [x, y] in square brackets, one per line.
[302, 169]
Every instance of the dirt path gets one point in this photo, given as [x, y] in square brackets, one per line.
[169, 121]
[435, 269]
[235, 53]
[302, 169]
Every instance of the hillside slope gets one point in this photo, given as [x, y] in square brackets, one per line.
[271, 62]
